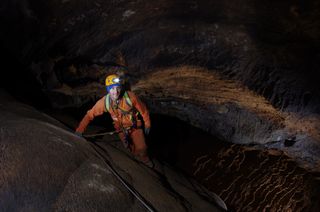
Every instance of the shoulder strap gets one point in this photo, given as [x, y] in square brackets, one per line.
[127, 98]
[107, 103]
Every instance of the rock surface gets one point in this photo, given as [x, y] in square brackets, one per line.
[45, 167]
[246, 71]
[246, 177]
[256, 65]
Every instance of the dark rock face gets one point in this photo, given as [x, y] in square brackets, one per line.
[272, 48]
[45, 167]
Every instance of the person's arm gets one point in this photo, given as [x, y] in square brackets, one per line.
[97, 110]
[141, 107]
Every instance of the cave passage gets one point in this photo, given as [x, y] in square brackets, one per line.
[247, 73]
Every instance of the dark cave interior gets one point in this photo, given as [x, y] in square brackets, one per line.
[232, 88]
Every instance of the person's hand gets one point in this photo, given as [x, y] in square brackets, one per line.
[78, 133]
[147, 130]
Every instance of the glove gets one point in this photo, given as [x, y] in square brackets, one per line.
[78, 133]
[146, 131]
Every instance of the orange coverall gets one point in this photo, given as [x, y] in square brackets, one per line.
[124, 117]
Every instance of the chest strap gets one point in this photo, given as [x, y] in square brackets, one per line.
[125, 96]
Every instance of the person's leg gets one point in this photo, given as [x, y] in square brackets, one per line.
[125, 141]
[139, 145]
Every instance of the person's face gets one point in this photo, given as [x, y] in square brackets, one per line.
[115, 92]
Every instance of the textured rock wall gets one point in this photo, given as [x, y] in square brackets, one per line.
[246, 177]
[230, 111]
[44, 167]
[251, 179]
[270, 48]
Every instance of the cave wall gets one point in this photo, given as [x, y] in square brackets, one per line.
[270, 47]
[261, 57]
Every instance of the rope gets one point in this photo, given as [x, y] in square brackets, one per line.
[134, 192]
[106, 133]
[97, 134]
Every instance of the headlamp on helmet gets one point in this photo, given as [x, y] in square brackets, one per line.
[111, 81]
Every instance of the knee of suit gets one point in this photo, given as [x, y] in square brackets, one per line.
[122, 137]
[140, 150]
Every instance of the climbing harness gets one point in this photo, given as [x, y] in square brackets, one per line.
[124, 130]
[132, 112]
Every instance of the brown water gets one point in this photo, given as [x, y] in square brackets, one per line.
[245, 177]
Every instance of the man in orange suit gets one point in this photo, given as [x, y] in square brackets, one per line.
[124, 108]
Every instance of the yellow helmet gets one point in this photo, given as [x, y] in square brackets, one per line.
[112, 80]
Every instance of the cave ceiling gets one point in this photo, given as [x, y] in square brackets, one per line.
[246, 71]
